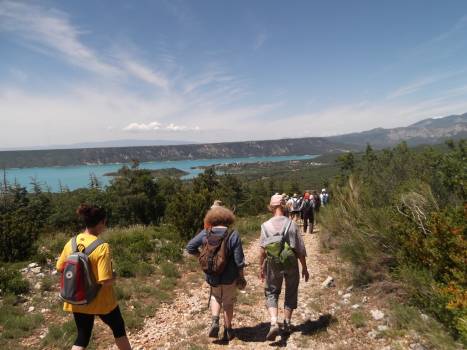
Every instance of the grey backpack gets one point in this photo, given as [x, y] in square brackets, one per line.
[78, 285]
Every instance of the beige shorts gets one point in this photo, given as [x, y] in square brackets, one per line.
[225, 294]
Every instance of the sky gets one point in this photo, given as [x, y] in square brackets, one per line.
[214, 71]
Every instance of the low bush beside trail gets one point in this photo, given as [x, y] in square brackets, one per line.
[400, 215]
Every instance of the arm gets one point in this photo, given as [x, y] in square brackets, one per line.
[193, 245]
[262, 258]
[305, 273]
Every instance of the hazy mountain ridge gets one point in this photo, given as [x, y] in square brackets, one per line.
[428, 131]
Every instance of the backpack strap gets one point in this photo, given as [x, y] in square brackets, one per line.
[74, 245]
[90, 248]
[286, 230]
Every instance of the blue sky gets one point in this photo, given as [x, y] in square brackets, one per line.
[79, 71]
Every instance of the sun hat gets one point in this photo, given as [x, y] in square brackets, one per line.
[276, 200]
[217, 203]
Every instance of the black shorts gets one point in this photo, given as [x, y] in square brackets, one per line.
[85, 323]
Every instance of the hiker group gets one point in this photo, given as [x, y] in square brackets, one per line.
[88, 278]
[304, 209]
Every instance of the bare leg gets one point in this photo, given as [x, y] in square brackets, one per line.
[123, 343]
[228, 316]
[76, 347]
[215, 307]
[288, 314]
[273, 311]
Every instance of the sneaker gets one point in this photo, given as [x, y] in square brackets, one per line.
[214, 330]
[273, 332]
[228, 334]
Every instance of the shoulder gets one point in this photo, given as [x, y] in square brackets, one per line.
[102, 249]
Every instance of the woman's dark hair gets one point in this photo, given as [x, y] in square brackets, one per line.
[91, 215]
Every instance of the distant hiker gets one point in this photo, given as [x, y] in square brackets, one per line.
[221, 258]
[281, 246]
[317, 205]
[294, 207]
[307, 212]
[96, 297]
[324, 196]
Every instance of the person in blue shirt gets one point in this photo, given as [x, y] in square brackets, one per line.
[224, 286]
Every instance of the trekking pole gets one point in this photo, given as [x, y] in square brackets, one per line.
[210, 294]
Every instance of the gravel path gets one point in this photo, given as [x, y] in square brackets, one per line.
[322, 321]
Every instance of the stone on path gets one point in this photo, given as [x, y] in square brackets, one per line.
[31, 309]
[328, 282]
[377, 314]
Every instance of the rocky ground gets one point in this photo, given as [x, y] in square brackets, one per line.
[331, 314]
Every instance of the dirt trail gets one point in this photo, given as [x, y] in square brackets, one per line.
[322, 320]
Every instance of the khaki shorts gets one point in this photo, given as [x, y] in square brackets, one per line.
[225, 294]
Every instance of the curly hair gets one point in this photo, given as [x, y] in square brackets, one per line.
[219, 216]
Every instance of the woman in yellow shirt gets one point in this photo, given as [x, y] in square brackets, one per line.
[104, 304]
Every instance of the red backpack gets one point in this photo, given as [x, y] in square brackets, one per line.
[78, 285]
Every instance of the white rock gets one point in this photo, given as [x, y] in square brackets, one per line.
[377, 314]
[349, 289]
[31, 265]
[345, 301]
[364, 299]
[339, 293]
[38, 285]
[43, 311]
[424, 317]
[328, 282]
[383, 328]
[355, 306]
[54, 272]
[36, 269]
[372, 334]
[347, 296]
[40, 275]
[31, 309]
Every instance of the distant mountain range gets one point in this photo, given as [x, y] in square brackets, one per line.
[428, 131]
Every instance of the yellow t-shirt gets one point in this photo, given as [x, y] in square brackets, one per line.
[101, 264]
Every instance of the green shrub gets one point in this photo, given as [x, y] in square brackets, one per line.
[16, 323]
[400, 214]
[358, 319]
[61, 335]
[169, 270]
[11, 281]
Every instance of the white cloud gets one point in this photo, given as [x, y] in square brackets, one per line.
[50, 31]
[146, 74]
[156, 126]
[421, 83]
[142, 127]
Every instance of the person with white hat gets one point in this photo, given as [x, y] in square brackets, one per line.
[281, 247]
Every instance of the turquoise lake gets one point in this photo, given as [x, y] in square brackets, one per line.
[75, 177]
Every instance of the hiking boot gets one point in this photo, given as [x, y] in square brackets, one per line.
[228, 334]
[273, 332]
[214, 330]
